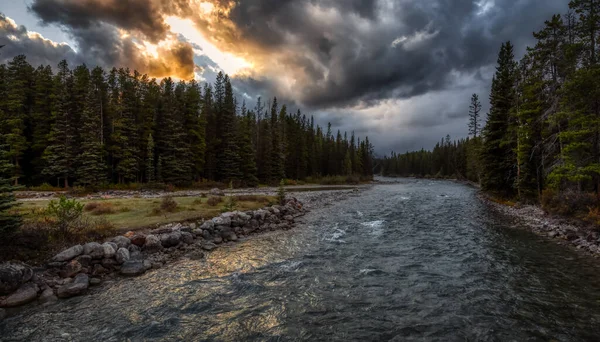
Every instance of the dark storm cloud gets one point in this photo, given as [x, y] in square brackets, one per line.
[352, 61]
[17, 41]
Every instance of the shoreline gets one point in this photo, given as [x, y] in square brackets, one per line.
[564, 231]
[84, 269]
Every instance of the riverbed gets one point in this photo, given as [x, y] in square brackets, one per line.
[415, 260]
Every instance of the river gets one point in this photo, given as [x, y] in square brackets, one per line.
[418, 260]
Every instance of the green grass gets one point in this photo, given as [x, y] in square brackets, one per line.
[139, 213]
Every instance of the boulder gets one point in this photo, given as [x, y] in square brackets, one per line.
[197, 232]
[71, 269]
[84, 260]
[69, 254]
[12, 276]
[99, 270]
[186, 229]
[109, 263]
[240, 219]
[95, 281]
[109, 250]
[122, 241]
[187, 238]
[138, 239]
[133, 268]
[48, 296]
[216, 192]
[193, 226]
[208, 246]
[206, 235]
[170, 240]
[208, 225]
[260, 215]
[289, 218]
[218, 240]
[24, 294]
[93, 249]
[222, 221]
[79, 286]
[152, 244]
[122, 255]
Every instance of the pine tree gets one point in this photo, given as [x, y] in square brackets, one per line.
[41, 119]
[229, 164]
[474, 112]
[277, 165]
[498, 160]
[90, 162]
[246, 150]
[9, 221]
[150, 173]
[61, 152]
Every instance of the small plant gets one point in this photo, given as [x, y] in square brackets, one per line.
[213, 201]
[231, 203]
[168, 204]
[66, 213]
[281, 193]
[197, 201]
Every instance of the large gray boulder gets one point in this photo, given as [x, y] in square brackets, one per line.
[122, 241]
[12, 276]
[240, 219]
[170, 240]
[135, 267]
[187, 238]
[69, 254]
[152, 244]
[93, 249]
[78, 287]
[109, 250]
[208, 225]
[122, 255]
[71, 269]
[222, 221]
[25, 294]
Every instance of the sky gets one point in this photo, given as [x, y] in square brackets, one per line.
[401, 72]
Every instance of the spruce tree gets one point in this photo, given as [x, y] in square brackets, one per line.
[150, 170]
[229, 164]
[9, 221]
[474, 113]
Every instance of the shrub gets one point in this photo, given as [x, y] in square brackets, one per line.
[99, 208]
[66, 213]
[197, 201]
[168, 204]
[230, 204]
[91, 206]
[213, 201]
[568, 203]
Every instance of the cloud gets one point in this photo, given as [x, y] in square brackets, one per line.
[368, 65]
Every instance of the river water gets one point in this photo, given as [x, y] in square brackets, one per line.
[415, 261]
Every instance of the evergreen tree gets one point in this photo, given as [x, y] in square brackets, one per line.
[474, 112]
[229, 165]
[150, 173]
[9, 221]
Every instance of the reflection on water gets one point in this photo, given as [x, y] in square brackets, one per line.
[400, 262]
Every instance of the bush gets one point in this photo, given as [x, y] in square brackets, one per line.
[213, 201]
[45, 187]
[66, 213]
[96, 208]
[569, 203]
[230, 204]
[168, 204]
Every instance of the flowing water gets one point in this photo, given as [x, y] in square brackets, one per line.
[421, 260]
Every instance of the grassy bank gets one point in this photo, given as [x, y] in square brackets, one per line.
[38, 239]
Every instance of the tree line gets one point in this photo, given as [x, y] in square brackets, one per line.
[91, 128]
[542, 132]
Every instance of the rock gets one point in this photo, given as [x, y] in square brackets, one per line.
[208, 225]
[109, 263]
[79, 286]
[152, 244]
[122, 255]
[99, 270]
[138, 239]
[187, 238]
[134, 268]
[274, 210]
[208, 246]
[186, 229]
[157, 265]
[2, 314]
[84, 260]
[93, 249]
[196, 255]
[216, 192]
[12, 276]
[109, 250]
[218, 240]
[122, 241]
[240, 219]
[69, 254]
[170, 240]
[197, 232]
[260, 215]
[48, 296]
[192, 226]
[129, 234]
[222, 221]
[571, 235]
[57, 264]
[95, 281]
[289, 218]
[24, 294]
[71, 269]
[206, 235]
[553, 234]
[147, 264]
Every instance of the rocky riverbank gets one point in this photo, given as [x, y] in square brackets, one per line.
[564, 231]
[72, 271]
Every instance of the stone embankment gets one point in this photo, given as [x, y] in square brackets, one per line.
[562, 230]
[72, 271]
